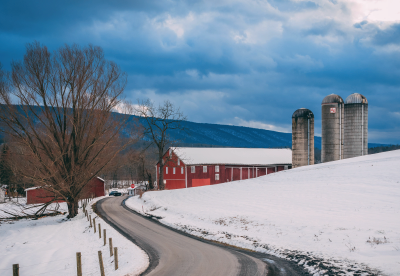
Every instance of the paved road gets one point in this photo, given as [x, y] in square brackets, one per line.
[172, 253]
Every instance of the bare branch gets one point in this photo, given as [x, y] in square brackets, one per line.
[158, 122]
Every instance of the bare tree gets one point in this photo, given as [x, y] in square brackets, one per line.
[158, 123]
[57, 114]
[142, 163]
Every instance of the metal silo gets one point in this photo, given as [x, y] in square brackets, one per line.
[302, 138]
[332, 128]
[355, 126]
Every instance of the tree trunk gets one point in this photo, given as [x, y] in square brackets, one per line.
[161, 180]
[151, 187]
[72, 208]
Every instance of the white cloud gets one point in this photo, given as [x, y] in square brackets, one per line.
[259, 33]
[375, 10]
[176, 24]
[192, 73]
[261, 125]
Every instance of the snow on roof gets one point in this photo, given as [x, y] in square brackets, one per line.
[101, 179]
[32, 188]
[233, 156]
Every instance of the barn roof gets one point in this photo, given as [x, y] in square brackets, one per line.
[233, 156]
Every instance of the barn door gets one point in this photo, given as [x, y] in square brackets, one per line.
[228, 174]
[236, 174]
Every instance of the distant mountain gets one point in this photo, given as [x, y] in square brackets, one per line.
[208, 135]
[201, 134]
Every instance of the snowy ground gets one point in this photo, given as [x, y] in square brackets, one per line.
[341, 216]
[48, 246]
[18, 207]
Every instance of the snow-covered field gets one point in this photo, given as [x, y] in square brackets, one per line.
[48, 246]
[331, 217]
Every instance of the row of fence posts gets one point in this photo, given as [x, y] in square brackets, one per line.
[113, 250]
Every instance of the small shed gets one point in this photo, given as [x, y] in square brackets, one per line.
[131, 191]
[36, 195]
[136, 191]
[2, 195]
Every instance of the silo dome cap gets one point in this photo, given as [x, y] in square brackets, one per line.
[356, 98]
[303, 112]
[332, 98]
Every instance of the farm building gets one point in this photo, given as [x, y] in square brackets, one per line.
[2, 195]
[137, 190]
[36, 195]
[193, 167]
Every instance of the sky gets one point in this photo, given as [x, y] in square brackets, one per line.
[239, 62]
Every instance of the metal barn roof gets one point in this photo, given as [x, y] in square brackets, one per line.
[233, 156]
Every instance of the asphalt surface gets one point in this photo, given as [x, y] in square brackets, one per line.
[172, 252]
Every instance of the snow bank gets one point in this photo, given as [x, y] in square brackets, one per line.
[331, 217]
[48, 246]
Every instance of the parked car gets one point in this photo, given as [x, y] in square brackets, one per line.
[115, 193]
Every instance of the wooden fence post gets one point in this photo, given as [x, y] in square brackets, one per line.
[94, 224]
[111, 248]
[90, 219]
[116, 257]
[79, 263]
[101, 264]
[104, 234]
[99, 231]
[15, 269]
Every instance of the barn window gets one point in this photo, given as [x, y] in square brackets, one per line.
[217, 176]
[179, 162]
[182, 170]
[204, 169]
[170, 152]
[193, 169]
[173, 170]
[166, 170]
[286, 167]
[216, 168]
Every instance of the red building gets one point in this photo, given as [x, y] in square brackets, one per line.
[193, 167]
[36, 195]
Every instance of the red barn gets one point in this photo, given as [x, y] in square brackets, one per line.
[192, 167]
[36, 195]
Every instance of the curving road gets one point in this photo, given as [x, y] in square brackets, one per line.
[174, 253]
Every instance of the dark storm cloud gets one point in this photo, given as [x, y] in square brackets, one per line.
[239, 62]
[387, 36]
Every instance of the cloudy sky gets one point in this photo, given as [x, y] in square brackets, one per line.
[240, 62]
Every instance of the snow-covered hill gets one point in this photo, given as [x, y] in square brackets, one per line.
[337, 216]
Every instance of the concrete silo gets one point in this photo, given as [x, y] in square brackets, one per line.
[332, 128]
[355, 126]
[302, 138]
